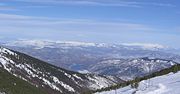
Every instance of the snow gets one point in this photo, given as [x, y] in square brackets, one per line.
[50, 84]
[75, 75]
[83, 71]
[20, 77]
[74, 43]
[38, 44]
[166, 84]
[111, 62]
[46, 43]
[68, 75]
[6, 51]
[99, 82]
[32, 72]
[2, 93]
[145, 45]
[69, 88]
[5, 61]
[23, 43]
[28, 70]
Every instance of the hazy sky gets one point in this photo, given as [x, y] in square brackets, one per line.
[111, 21]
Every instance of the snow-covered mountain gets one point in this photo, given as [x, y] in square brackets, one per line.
[130, 68]
[49, 78]
[148, 46]
[166, 84]
[54, 44]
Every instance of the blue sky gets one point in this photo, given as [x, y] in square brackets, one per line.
[111, 21]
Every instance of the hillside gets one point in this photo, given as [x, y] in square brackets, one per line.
[165, 81]
[49, 78]
[166, 84]
[13, 85]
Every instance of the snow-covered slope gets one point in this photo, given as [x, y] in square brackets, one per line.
[166, 84]
[52, 79]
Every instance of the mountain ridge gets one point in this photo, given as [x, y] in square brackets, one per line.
[127, 69]
[50, 78]
[49, 43]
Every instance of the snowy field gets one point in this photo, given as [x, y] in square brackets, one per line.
[166, 84]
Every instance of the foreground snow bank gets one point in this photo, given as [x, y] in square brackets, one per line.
[166, 84]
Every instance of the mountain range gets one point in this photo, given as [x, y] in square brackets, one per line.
[100, 58]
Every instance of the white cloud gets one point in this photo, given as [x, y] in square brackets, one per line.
[42, 27]
[20, 26]
[84, 2]
[12, 16]
[116, 3]
[163, 4]
[20, 21]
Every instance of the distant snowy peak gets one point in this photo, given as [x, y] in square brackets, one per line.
[38, 43]
[55, 44]
[145, 45]
[49, 43]
[24, 43]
